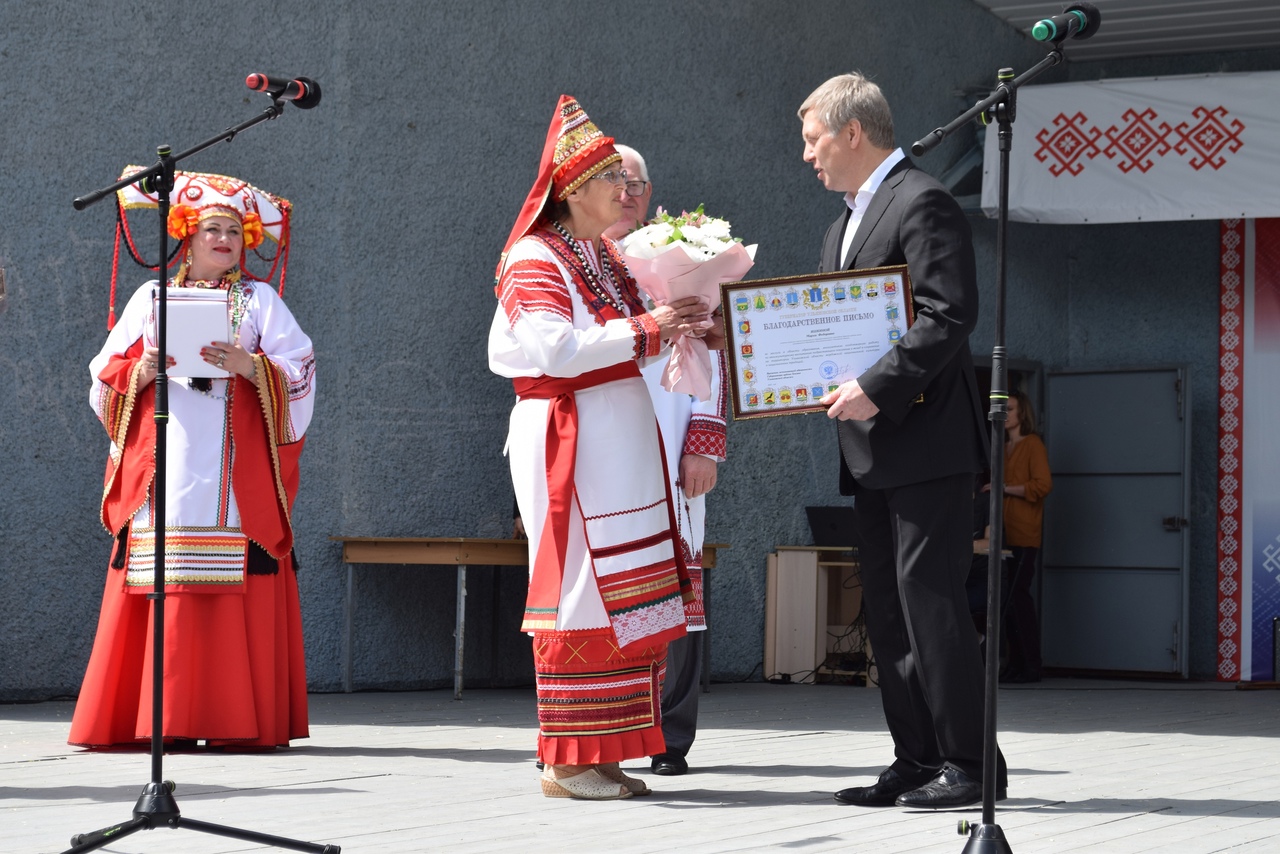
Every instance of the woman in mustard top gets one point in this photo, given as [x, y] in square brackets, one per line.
[1027, 482]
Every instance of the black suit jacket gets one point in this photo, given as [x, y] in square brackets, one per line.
[930, 422]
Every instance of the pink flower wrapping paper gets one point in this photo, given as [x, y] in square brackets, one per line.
[669, 273]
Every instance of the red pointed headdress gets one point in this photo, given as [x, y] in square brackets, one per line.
[574, 151]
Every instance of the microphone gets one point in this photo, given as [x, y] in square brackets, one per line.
[302, 91]
[1077, 21]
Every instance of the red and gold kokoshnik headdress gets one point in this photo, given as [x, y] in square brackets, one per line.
[575, 150]
[197, 196]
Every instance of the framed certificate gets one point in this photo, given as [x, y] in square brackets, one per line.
[793, 339]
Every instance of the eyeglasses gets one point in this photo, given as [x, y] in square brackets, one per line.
[619, 176]
[613, 176]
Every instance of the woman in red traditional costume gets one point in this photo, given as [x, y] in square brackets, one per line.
[606, 587]
[233, 660]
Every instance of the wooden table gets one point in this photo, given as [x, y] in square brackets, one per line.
[451, 551]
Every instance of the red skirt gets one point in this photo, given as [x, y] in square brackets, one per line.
[597, 704]
[234, 669]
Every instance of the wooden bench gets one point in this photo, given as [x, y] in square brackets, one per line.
[459, 552]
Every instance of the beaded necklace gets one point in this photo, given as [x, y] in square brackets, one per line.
[181, 281]
[206, 284]
[589, 275]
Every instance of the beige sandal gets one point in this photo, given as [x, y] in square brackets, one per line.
[590, 785]
[614, 772]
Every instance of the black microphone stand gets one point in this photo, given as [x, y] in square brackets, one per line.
[1000, 106]
[157, 806]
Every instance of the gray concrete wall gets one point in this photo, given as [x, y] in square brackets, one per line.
[406, 180]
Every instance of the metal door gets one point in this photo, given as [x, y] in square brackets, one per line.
[1116, 556]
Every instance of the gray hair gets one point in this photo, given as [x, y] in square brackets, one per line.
[852, 97]
[628, 151]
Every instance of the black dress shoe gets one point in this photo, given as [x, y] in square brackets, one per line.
[951, 788]
[669, 765]
[883, 793]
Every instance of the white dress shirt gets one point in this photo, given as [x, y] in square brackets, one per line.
[859, 201]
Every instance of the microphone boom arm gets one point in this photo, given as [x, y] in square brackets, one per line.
[149, 176]
[1003, 94]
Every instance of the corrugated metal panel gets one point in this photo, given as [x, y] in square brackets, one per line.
[1152, 27]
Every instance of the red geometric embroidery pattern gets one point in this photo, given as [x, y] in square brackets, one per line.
[1230, 446]
[648, 336]
[1209, 137]
[707, 424]
[706, 437]
[1069, 142]
[533, 287]
[587, 690]
[1138, 140]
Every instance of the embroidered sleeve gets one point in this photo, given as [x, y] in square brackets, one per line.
[543, 324]
[647, 334]
[533, 286]
[707, 434]
[114, 371]
[114, 393]
[274, 393]
[706, 437]
[284, 364]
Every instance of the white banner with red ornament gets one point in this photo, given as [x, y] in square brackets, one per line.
[1248, 453]
[1142, 150]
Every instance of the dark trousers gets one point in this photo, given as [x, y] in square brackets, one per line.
[680, 693]
[1022, 628]
[915, 548]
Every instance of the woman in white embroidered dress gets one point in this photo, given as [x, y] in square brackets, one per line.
[606, 585]
[234, 670]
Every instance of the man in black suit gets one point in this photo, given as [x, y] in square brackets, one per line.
[911, 439]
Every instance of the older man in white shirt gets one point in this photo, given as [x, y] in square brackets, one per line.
[693, 435]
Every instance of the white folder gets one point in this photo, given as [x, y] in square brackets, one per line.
[194, 319]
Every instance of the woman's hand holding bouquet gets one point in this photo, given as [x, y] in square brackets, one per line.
[680, 256]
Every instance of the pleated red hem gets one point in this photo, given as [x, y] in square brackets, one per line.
[234, 667]
[601, 749]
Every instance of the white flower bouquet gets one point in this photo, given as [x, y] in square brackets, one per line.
[686, 255]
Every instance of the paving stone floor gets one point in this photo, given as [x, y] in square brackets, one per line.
[1094, 766]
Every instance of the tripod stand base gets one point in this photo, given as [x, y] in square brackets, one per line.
[157, 807]
[983, 839]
